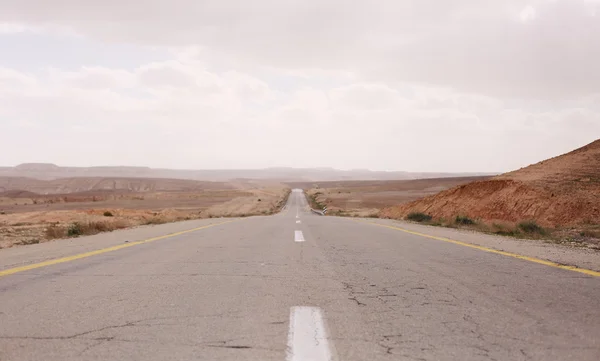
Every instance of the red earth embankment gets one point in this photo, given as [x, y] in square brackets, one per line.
[558, 192]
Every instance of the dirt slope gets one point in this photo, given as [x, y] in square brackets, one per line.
[562, 191]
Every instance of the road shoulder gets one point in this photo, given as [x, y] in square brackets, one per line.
[24, 255]
[564, 255]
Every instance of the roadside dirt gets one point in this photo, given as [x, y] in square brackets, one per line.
[29, 218]
[564, 253]
[367, 198]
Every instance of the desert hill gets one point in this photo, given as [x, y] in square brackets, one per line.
[561, 191]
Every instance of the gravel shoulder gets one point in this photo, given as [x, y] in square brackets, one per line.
[22, 255]
[568, 255]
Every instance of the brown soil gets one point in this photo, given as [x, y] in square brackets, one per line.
[367, 198]
[27, 218]
[560, 192]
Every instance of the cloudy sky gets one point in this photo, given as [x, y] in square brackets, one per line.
[417, 85]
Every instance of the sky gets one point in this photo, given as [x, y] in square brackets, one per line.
[413, 85]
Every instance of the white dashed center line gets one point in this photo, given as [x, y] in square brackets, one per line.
[307, 338]
[298, 236]
[298, 222]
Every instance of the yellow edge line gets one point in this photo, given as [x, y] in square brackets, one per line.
[51, 262]
[490, 250]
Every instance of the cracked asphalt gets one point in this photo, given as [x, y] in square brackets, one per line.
[225, 293]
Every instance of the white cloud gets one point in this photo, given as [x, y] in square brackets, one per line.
[11, 79]
[366, 97]
[527, 14]
[308, 83]
[92, 78]
[367, 125]
[469, 45]
[11, 28]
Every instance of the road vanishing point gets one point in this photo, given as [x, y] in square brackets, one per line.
[294, 286]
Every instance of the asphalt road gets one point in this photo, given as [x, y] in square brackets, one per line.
[294, 286]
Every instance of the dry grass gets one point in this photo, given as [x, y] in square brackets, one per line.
[76, 229]
[55, 231]
[526, 229]
[419, 217]
[29, 241]
[157, 220]
[590, 233]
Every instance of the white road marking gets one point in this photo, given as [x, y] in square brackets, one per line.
[298, 222]
[298, 236]
[307, 338]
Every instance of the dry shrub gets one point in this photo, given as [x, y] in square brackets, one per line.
[418, 217]
[531, 227]
[28, 242]
[505, 229]
[464, 221]
[590, 234]
[94, 227]
[120, 224]
[56, 231]
[155, 220]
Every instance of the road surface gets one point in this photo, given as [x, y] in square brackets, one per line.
[294, 286]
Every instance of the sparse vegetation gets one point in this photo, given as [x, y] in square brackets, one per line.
[314, 202]
[531, 227]
[504, 230]
[55, 231]
[74, 230]
[89, 228]
[155, 220]
[464, 221]
[526, 229]
[55, 215]
[29, 241]
[419, 217]
[281, 203]
[590, 234]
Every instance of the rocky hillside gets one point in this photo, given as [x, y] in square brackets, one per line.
[561, 191]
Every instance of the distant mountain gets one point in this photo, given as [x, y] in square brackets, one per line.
[20, 186]
[52, 171]
[43, 167]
